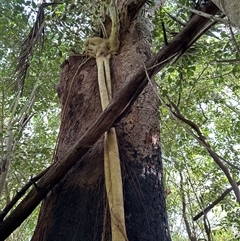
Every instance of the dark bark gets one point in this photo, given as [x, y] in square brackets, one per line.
[75, 209]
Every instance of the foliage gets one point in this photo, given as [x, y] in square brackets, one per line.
[206, 91]
[203, 84]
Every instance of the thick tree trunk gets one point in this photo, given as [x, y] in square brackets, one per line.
[77, 208]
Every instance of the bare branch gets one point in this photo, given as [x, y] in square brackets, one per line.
[227, 61]
[213, 204]
[206, 15]
[234, 40]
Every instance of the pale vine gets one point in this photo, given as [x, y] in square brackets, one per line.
[103, 49]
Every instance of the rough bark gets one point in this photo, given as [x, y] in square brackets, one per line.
[76, 209]
[231, 9]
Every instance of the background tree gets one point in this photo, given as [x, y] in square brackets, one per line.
[203, 90]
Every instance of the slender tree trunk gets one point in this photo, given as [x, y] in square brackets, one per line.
[76, 209]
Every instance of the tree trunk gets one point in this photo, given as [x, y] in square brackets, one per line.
[76, 209]
[231, 9]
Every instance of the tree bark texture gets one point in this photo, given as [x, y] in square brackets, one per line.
[231, 9]
[76, 208]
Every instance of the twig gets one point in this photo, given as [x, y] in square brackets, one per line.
[213, 204]
[206, 15]
[174, 18]
[227, 60]
[234, 40]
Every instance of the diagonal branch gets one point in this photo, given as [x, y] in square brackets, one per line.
[21, 193]
[203, 141]
[234, 40]
[206, 15]
[213, 204]
[181, 41]
[121, 100]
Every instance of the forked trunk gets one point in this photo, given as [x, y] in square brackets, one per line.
[76, 209]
